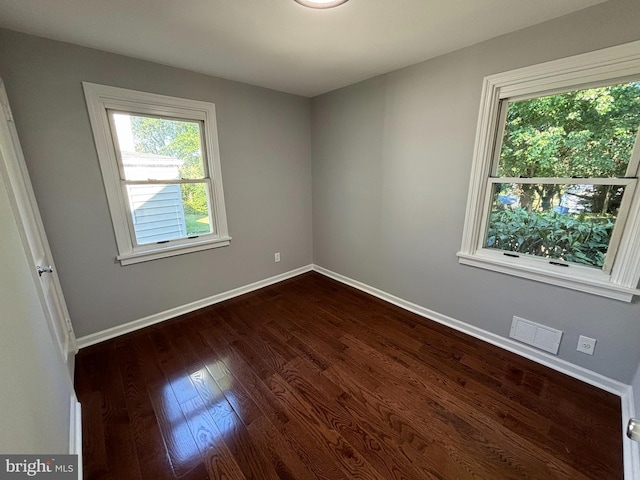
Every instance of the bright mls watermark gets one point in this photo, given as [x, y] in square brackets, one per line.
[51, 467]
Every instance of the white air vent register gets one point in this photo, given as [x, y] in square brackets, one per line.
[534, 334]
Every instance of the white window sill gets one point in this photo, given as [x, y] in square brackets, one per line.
[164, 250]
[578, 278]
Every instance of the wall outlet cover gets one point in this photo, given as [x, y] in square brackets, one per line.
[586, 345]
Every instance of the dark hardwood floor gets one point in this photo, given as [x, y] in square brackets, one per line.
[312, 379]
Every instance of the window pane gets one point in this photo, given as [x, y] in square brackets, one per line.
[155, 148]
[162, 212]
[196, 201]
[573, 223]
[585, 133]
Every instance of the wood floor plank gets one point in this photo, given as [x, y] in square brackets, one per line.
[118, 434]
[110, 426]
[202, 427]
[249, 381]
[321, 395]
[221, 465]
[94, 447]
[279, 452]
[204, 366]
[485, 397]
[315, 456]
[147, 438]
[467, 422]
[417, 448]
[346, 457]
[310, 379]
[239, 442]
[168, 389]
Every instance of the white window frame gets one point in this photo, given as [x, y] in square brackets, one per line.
[607, 66]
[100, 100]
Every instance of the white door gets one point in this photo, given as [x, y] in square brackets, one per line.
[14, 174]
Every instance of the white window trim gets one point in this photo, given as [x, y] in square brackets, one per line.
[100, 99]
[614, 63]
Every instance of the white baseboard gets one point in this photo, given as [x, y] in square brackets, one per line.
[129, 327]
[625, 392]
[75, 431]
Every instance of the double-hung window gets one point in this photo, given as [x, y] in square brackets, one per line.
[161, 169]
[553, 194]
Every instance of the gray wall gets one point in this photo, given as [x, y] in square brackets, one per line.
[36, 388]
[635, 383]
[266, 168]
[391, 165]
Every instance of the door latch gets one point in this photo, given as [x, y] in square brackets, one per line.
[633, 429]
[42, 270]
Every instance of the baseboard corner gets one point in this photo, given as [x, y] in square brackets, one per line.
[98, 337]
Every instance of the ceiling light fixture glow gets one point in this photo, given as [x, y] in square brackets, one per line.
[321, 3]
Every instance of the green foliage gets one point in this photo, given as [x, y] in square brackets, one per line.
[584, 133]
[174, 138]
[574, 238]
[194, 199]
[178, 139]
[197, 224]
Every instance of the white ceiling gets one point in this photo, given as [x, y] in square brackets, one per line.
[280, 44]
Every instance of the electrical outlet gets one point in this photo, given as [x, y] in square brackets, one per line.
[277, 257]
[586, 345]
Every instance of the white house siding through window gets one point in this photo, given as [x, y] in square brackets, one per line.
[156, 209]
